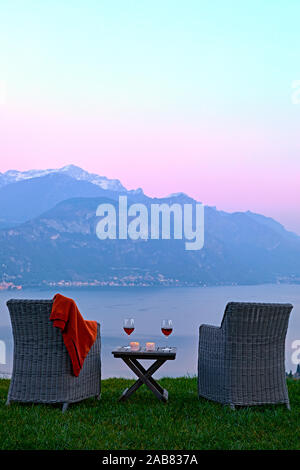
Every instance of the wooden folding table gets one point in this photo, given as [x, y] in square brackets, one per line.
[131, 358]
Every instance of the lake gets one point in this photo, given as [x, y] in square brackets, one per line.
[188, 307]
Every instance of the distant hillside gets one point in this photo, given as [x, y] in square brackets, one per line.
[28, 198]
[25, 195]
[61, 245]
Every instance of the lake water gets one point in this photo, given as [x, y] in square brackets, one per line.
[187, 307]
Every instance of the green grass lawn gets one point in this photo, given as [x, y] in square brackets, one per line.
[143, 422]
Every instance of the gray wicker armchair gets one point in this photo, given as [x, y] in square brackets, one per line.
[243, 361]
[42, 369]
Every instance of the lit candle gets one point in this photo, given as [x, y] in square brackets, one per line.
[150, 346]
[134, 346]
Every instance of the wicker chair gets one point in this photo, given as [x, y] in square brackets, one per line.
[243, 361]
[42, 370]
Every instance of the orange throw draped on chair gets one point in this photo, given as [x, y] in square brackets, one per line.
[78, 334]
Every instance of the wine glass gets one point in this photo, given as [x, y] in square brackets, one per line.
[128, 325]
[166, 329]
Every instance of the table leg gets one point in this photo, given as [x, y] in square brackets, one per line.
[148, 373]
[144, 378]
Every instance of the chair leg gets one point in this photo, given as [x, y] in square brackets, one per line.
[65, 407]
[232, 407]
[7, 402]
[288, 406]
[98, 396]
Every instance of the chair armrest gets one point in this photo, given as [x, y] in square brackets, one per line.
[211, 340]
[212, 372]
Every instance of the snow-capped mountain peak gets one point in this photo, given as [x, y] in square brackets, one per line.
[12, 176]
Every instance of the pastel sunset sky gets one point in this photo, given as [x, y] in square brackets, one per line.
[186, 95]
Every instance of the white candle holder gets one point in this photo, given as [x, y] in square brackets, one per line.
[134, 346]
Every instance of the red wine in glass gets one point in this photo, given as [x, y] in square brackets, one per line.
[166, 329]
[128, 325]
[128, 330]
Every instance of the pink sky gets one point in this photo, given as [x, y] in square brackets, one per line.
[240, 170]
[158, 95]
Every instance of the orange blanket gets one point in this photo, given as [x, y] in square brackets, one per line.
[78, 334]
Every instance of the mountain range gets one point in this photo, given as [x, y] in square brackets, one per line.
[13, 176]
[48, 220]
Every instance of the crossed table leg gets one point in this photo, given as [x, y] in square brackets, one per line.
[145, 377]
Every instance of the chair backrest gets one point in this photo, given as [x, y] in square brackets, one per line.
[30, 322]
[256, 322]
